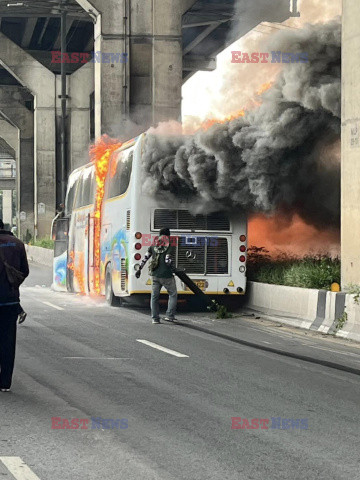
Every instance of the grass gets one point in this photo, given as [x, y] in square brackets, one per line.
[46, 242]
[317, 271]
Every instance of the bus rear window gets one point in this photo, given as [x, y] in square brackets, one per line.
[120, 174]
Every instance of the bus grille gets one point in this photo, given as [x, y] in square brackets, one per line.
[128, 223]
[183, 220]
[217, 259]
[123, 274]
[204, 259]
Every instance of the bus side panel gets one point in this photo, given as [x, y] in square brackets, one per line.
[79, 250]
[59, 273]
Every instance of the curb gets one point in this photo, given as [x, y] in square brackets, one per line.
[264, 348]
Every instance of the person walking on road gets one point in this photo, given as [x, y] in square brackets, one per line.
[160, 268]
[14, 269]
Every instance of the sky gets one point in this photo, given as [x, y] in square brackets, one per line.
[207, 94]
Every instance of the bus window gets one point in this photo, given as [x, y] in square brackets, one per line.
[87, 197]
[85, 194]
[120, 174]
[92, 187]
[70, 197]
[78, 201]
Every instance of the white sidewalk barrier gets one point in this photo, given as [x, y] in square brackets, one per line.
[312, 309]
[44, 256]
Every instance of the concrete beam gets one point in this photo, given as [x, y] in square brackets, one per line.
[7, 183]
[148, 89]
[185, 5]
[9, 133]
[57, 43]
[41, 83]
[350, 145]
[205, 33]
[82, 85]
[18, 128]
[194, 63]
[111, 36]
[28, 33]
[7, 207]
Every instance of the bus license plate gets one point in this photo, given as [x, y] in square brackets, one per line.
[202, 284]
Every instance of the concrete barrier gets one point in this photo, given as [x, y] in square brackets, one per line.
[317, 310]
[351, 328]
[298, 305]
[44, 256]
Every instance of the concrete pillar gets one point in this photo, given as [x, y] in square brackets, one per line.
[350, 145]
[80, 89]
[7, 207]
[21, 120]
[41, 83]
[148, 88]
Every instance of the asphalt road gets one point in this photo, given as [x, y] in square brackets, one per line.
[78, 358]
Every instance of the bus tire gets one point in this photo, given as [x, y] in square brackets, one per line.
[111, 299]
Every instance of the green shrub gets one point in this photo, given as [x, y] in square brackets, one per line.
[46, 242]
[222, 312]
[318, 271]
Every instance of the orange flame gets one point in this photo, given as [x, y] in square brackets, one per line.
[264, 87]
[100, 154]
[78, 269]
[206, 124]
[212, 121]
[292, 235]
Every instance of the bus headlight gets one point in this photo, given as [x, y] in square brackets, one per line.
[137, 267]
[242, 269]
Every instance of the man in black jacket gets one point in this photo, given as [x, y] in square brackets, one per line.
[160, 269]
[13, 267]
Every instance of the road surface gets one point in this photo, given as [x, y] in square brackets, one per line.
[171, 392]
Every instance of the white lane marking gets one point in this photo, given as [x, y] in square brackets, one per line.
[52, 305]
[18, 468]
[266, 342]
[163, 349]
[97, 358]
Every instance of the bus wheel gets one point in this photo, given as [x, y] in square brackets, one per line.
[111, 299]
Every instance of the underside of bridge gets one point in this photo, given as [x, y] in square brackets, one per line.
[155, 47]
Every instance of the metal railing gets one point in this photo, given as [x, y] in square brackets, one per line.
[8, 172]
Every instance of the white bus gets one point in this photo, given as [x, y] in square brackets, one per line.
[210, 248]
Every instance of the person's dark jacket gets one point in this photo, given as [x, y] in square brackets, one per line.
[13, 252]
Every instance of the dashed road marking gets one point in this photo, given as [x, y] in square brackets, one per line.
[18, 468]
[97, 358]
[52, 305]
[163, 349]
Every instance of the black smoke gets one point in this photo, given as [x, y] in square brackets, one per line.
[276, 156]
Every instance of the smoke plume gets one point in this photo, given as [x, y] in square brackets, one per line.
[277, 156]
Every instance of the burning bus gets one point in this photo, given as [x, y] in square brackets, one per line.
[110, 221]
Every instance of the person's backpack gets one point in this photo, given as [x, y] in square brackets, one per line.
[155, 260]
[15, 278]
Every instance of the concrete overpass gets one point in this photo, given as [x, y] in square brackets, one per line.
[165, 42]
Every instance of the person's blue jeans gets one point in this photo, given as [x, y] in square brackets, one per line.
[170, 285]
